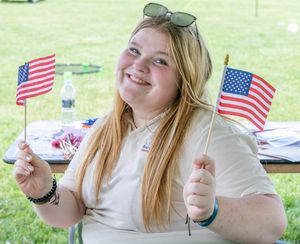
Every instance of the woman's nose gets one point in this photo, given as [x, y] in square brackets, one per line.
[141, 65]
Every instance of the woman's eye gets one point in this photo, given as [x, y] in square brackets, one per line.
[160, 61]
[133, 50]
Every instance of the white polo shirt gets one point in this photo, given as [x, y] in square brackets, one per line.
[118, 216]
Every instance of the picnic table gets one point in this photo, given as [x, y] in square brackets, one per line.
[40, 134]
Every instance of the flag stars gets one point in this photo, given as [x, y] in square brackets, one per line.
[23, 73]
[237, 82]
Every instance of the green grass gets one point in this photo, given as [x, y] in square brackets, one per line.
[95, 32]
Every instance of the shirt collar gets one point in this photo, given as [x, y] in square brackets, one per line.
[150, 125]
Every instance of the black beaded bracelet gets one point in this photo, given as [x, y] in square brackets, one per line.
[47, 197]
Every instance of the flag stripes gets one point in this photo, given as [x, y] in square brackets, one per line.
[246, 95]
[35, 78]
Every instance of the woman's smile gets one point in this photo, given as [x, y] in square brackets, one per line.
[137, 80]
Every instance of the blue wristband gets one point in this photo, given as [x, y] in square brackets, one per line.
[208, 221]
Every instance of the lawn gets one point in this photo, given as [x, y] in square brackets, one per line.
[95, 32]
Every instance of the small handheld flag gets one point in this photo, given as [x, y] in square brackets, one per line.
[242, 94]
[246, 95]
[35, 78]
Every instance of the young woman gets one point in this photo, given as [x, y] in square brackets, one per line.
[141, 169]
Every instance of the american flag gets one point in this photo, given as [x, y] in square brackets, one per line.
[35, 78]
[246, 95]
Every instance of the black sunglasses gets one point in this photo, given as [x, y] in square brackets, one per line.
[180, 19]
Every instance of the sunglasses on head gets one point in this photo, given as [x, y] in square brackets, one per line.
[180, 19]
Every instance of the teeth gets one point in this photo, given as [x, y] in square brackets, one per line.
[137, 80]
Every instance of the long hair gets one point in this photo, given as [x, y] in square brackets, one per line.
[193, 62]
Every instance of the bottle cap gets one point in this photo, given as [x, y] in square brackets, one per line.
[67, 76]
[85, 68]
[100, 72]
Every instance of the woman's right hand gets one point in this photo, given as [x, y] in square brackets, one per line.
[33, 175]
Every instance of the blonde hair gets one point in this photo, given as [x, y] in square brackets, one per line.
[194, 65]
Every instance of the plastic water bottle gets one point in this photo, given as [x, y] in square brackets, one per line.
[68, 95]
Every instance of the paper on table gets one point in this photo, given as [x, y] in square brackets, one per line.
[291, 153]
[281, 143]
[45, 148]
[279, 137]
[41, 144]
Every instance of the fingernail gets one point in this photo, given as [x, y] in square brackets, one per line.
[28, 158]
[30, 167]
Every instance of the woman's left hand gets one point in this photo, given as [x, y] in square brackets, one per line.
[199, 190]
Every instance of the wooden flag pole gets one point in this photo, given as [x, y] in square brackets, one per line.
[216, 107]
[188, 219]
[25, 121]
